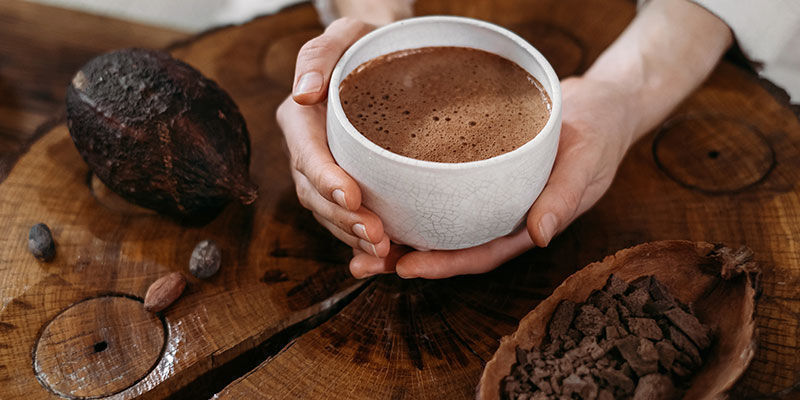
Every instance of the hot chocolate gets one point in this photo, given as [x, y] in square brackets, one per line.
[445, 104]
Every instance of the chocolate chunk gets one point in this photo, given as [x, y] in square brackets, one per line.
[554, 384]
[616, 379]
[688, 323]
[605, 394]
[615, 286]
[659, 292]
[590, 321]
[654, 387]
[602, 300]
[612, 315]
[522, 356]
[540, 373]
[574, 334]
[572, 384]
[561, 319]
[657, 308]
[591, 348]
[640, 354]
[635, 301]
[666, 354]
[612, 332]
[540, 396]
[623, 311]
[680, 370]
[645, 327]
[545, 387]
[642, 282]
[683, 344]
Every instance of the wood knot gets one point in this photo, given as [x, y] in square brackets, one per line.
[713, 154]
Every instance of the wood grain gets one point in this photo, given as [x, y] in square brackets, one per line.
[396, 339]
[108, 353]
[279, 267]
[437, 346]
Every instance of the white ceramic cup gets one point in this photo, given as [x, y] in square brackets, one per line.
[433, 205]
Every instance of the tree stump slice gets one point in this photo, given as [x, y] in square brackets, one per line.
[279, 268]
[284, 316]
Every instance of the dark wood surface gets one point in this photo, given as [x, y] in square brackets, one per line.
[284, 319]
[41, 47]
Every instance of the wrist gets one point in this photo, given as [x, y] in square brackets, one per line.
[606, 103]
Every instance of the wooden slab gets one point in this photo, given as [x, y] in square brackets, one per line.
[279, 266]
[693, 179]
[724, 168]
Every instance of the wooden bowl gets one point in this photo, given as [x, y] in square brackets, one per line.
[719, 282]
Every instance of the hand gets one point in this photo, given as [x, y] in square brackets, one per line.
[322, 187]
[596, 132]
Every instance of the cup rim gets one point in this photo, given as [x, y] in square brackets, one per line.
[334, 101]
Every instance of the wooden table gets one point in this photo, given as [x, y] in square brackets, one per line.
[283, 318]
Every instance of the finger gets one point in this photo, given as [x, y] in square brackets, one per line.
[317, 57]
[364, 265]
[304, 131]
[378, 250]
[361, 223]
[562, 198]
[438, 264]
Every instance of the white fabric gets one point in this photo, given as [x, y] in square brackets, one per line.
[768, 32]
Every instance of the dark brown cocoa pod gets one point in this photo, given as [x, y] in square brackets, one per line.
[160, 134]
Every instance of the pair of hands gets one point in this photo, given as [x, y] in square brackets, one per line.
[594, 138]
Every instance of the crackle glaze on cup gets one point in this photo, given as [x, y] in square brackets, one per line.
[433, 205]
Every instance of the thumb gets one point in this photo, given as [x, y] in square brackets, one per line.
[562, 199]
[317, 58]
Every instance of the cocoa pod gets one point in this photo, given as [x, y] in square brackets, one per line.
[164, 291]
[160, 134]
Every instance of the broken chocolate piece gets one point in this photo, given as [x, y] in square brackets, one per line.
[615, 286]
[636, 300]
[654, 387]
[640, 354]
[590, 321]
[561, 320]
[688, 323]
[642, 282]
[645, 327]
[683, 344]
[616, 379]
[666, 354]
[602, 300]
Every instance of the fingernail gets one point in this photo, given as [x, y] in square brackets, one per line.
[310, 82]
[338, 196]
[368, 247]
[404, 275]
[547, 227]
[361, 231]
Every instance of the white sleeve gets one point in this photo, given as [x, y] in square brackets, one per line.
[768, 32]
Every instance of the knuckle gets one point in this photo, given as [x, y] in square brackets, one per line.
[281, 112]
[344, 22]
[298, 161]
[570, 199]
[315, 48]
